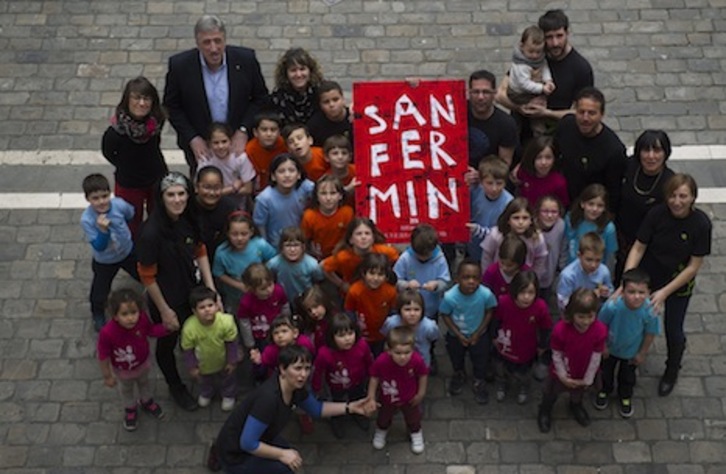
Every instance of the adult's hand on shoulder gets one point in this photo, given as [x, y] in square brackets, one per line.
[200, 149]
[239, 142]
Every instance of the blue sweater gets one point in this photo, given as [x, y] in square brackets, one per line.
[408, 267]
[116, 244]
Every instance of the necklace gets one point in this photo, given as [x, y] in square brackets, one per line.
[652, 187]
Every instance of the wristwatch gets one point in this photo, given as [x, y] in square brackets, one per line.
[243, 129]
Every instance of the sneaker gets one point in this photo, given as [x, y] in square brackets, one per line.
[152, 408]
[456, 384]
[417, 442]
[601, 401]
[580, 414]
[480, 392]
[228, 403]
[337, 426]
[501, 392]
[522, 397]
[203, 401]
[306, 423]
[626, 408]
[131, 417]
[379, 438]
[182, 397]
[99, 321]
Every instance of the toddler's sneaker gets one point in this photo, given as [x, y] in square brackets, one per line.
[456, 384]
[626, 408]
[152, 408]
[417, 442]
[228, 403]
[203, 401]
[379, 438]
[131, 418]
[601, 401]
[501, 392]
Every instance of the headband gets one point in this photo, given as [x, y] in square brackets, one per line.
[173, 179]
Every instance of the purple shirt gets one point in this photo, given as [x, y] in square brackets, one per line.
[261, 312]
[128, 348]
[342, 369]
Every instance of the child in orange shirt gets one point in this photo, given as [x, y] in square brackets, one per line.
[338, 154]
[266, 145]
[372, 298]
[300, 144]
[324, 224]
[361, 238]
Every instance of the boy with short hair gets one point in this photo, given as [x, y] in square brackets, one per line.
[587, 271]
[209, 342]
[339, 155]
[265, 145]
[632, 326]
[333, 118]
[402, 377]
[488, 200]
[105, 224]
[467, 309]
[300, 145]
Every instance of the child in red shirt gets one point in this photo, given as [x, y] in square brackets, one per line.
[123, 353]
[399, 378]
[524, 323]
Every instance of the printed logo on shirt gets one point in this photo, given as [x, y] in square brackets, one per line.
[125, 355]
[684, 236]
[340, 377]
[390, 389]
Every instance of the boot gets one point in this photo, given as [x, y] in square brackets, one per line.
[673, 366]
[544, 417]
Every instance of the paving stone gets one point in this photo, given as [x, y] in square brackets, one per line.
[32, 390]
[13, 456]
[632, 452]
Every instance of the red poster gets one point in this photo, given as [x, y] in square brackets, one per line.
[411, 154]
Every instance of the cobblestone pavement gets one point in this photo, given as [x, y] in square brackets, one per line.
[62, 66]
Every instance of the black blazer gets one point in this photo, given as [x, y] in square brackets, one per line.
[186, 101]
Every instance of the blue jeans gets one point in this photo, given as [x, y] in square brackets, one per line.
[478, 353]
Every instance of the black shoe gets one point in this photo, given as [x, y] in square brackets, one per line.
[580, 414]
[456, 384]
[481, 395]
[336, 425]
[183, 398]
[362, 422]
[544, 420]
[665, 387]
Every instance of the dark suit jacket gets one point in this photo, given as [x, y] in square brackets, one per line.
[186, 100]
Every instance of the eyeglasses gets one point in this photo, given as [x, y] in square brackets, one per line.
[140, 98]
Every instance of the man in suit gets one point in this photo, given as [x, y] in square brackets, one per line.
[212, 83]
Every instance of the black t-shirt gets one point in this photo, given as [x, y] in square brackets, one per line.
[213, 222]
[637, 198]
[267, 406]
[171, 247]
[671, 243]
[586, 160]
[500, 128]
[570, 74]
[321, 128]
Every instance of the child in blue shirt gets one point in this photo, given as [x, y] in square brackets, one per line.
[467, 309]
[105, 223]
[295, 270]
[585, 272]
[488, 200]
[411, 308]
[632, 326]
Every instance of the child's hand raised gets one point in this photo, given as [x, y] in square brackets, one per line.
[103, 222]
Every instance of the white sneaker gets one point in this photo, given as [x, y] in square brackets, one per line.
[417, 442]
[203, 401]
[379, 438]
[228, 403]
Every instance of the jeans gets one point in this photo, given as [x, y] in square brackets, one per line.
[625, 373]
[103, 275]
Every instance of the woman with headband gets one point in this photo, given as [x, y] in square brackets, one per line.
[172, 260]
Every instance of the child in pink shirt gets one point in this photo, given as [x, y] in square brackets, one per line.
[537, 175]
[399, 378]
[524, 323]
[284, 333]
[123, 353]
[498, 276]
[343, 363]
[577, 342]
[263, 302]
